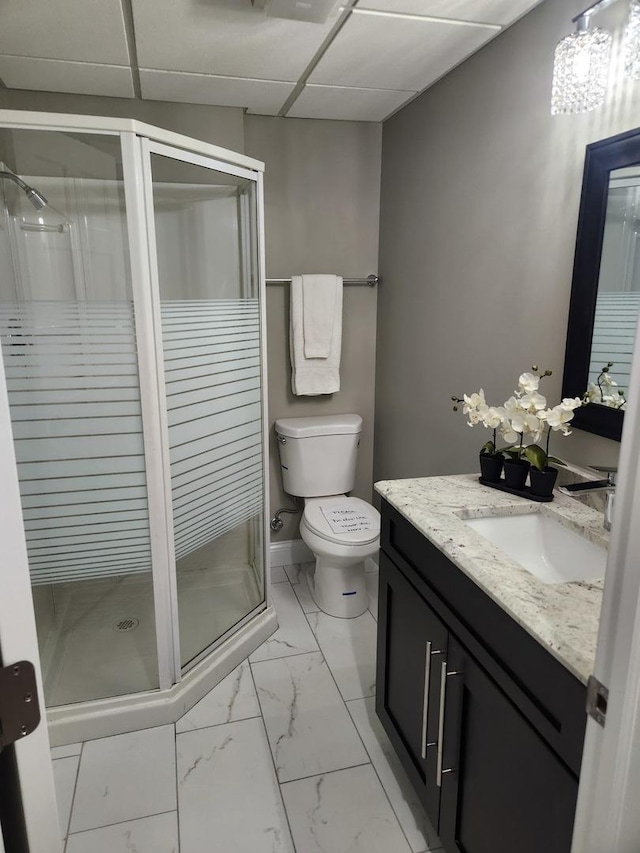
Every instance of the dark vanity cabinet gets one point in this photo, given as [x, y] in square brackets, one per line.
[487, 723]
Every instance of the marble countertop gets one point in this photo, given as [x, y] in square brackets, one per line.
[563, 617]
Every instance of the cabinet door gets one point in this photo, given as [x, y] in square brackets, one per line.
[502, 788]
[411, 644]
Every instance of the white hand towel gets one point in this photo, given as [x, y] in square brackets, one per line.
[313, 376]
[319, 296]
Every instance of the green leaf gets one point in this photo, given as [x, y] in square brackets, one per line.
[514, 454]
[488, 448]
[536, 455]
[556, 461]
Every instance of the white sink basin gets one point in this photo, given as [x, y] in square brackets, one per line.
[543, 546]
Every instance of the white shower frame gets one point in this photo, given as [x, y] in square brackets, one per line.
[178, 691]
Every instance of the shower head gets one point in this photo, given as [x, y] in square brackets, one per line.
[35, 196]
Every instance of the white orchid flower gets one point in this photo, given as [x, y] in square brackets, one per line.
[528, 382]
[493, 416]
[525, 412]
[509, 435]
[533, 401]
[571, 403]
[473, 401]
[558, 418]
[525, 422]
[512, 407]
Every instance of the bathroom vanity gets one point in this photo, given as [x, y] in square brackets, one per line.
[482, 667]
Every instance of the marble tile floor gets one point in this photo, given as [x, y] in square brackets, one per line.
[286, 755]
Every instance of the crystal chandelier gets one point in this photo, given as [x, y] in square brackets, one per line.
[580, 69]
[632, 42]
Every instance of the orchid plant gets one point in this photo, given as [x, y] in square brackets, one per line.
[603, 392]
[525, 415]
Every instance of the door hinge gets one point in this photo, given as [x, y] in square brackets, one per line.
[597, 698]
[19, 706]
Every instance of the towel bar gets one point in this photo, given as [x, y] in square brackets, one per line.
[371, 280]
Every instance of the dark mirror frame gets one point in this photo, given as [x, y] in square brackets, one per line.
[603, 157]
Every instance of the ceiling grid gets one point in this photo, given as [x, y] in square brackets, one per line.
[362, 61]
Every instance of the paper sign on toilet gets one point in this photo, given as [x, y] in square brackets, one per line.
[343, 519]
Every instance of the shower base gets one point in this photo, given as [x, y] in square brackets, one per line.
[89, 657]
[98, 639]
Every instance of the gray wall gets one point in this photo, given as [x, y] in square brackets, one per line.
[322, 185]
[218, 125]
[479, 205]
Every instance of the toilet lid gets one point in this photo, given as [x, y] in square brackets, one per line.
[316, 520]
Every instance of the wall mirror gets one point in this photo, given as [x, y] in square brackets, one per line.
[605, 294]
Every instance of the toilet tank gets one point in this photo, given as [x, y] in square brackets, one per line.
[318, 455]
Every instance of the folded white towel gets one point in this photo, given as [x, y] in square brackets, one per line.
[315, 375]
[319, 296]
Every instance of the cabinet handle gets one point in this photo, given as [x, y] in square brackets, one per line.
[443, 693]
[425, 698]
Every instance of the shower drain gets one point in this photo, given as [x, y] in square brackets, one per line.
[128, 623]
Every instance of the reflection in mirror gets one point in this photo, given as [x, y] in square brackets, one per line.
[618, 301]
[605, 293]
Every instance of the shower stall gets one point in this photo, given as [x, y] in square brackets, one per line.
[132, 334]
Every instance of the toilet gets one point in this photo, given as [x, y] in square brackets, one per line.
[318, 463]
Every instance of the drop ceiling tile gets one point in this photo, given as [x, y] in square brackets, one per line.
[486, 11]
[374, 51]
[340, 102]
[224, 37]
[80, 78]
[80, 30]
[259, 96]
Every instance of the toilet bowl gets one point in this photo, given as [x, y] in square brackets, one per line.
[337, 581]
[318, 463]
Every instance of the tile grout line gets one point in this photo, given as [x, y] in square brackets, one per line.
[121, 822]
[371, 695]
[295, 654]
[345, 701]
[324, 661]
[337, 770]
[73, 797]
[282, 657]
[273, 764]
[175, 748]
[326, 773]
[427, 850]
[216, 725]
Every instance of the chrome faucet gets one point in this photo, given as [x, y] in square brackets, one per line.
[595, 486]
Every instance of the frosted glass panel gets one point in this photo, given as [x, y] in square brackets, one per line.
[68, 338]
[211, 341]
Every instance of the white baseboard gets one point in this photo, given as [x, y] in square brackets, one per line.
[289, 552]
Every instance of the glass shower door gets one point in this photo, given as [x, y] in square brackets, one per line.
[69, 344]
[207, 278]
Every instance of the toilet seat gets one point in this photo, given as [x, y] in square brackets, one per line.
[316, 522]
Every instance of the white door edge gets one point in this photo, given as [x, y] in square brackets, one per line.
[607, 816]
[18, 641]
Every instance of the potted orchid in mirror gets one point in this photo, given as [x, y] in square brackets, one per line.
[525, 422]
[604, 391]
